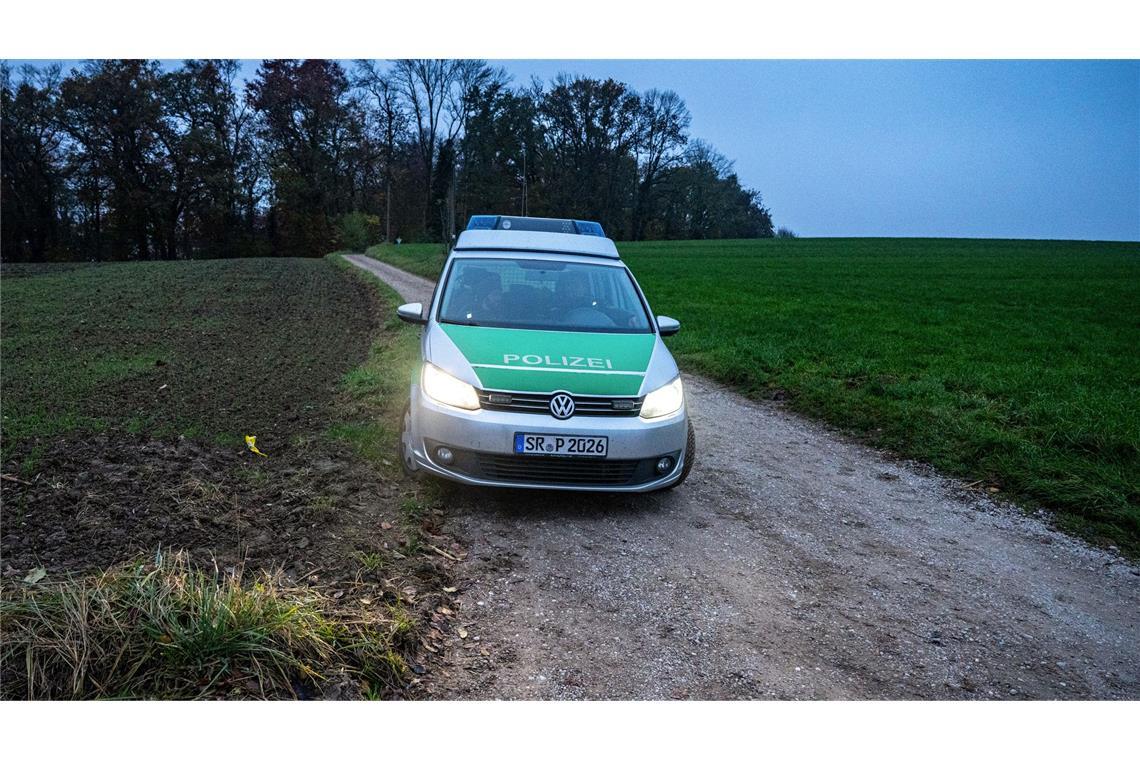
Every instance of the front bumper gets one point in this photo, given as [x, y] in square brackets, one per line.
[483, 441]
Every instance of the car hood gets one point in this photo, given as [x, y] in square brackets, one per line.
[541, 361]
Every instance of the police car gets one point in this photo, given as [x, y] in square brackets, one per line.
[544, 367]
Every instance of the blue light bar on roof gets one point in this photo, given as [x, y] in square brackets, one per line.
[589, 228]
[534, 224]
[482, 222]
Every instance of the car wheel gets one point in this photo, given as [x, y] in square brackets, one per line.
[404, 445]
[690, 455]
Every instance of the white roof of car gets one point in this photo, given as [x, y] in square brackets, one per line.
[538, 242]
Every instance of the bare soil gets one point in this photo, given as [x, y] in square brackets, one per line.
[794, 563]
[213, 349]
[246, 347]
[103, 499]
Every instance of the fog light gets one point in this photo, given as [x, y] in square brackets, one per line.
[444, 455]
[664, 464]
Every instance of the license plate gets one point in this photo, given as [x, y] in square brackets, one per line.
[561, 445]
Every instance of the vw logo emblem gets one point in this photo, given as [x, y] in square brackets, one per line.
[562, 406]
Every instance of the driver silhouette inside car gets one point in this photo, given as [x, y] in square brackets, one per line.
[481, 295]
[580, 306]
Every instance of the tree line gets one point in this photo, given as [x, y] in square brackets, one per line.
[128, 160]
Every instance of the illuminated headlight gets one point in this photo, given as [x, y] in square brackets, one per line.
[448, 390]
[665, 400]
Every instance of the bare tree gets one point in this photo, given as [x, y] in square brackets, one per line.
[589, 131]
[663, 125]
[392, 120]
[436, 92]
[471, 77]
[426, 87]
[32, 152]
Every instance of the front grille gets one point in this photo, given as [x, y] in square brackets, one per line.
[556, 470]
[539, 403]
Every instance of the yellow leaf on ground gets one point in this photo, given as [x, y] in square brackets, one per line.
[251, 442]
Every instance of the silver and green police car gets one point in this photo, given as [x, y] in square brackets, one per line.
[543, 367]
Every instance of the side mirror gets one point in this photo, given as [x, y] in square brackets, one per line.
[668, 326]
[412, 313]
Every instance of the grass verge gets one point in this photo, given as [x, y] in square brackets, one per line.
[374, 396]
[374, 392]
[165, 628]
[424, 259]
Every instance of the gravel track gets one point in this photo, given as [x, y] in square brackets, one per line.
[410, 287]
[794, 563]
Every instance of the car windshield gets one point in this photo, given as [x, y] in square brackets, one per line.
[542, 295]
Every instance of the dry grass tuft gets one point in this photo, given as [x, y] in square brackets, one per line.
[165, 628]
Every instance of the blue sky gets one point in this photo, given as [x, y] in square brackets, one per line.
[1014, 149]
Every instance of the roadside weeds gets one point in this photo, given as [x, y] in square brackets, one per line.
[166, 627]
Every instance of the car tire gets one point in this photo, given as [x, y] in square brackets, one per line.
[690, 456]
[404, 445]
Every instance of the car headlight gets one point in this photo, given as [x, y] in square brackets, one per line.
[665, 400]
[445, 389]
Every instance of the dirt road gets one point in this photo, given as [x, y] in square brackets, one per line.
[793, 564]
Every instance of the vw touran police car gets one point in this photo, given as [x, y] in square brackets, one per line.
[544, 367]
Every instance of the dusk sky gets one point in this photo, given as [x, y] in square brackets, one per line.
[1019, 149]
[1013, 149]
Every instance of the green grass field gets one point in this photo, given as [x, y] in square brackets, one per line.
[1012, 363]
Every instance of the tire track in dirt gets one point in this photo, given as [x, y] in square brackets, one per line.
[793, 563]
